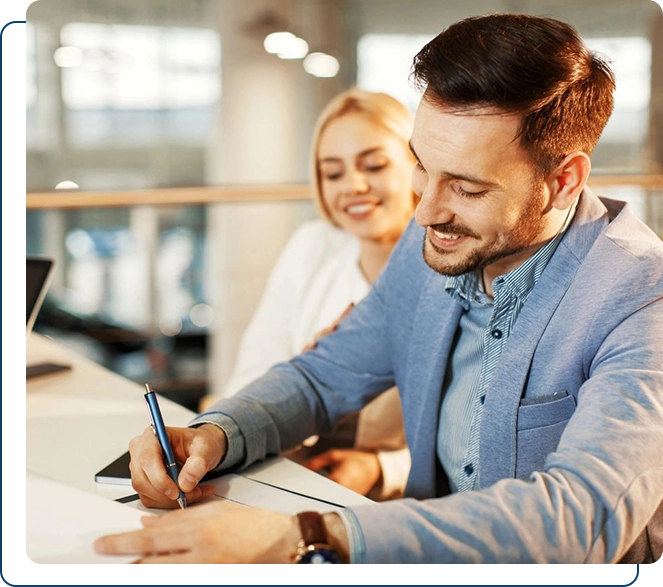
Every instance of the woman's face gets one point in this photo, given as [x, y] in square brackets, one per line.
[365, 176]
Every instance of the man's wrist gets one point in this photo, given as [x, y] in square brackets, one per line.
[338, 536]
[215, 430]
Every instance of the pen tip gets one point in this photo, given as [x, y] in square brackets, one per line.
[182, 502]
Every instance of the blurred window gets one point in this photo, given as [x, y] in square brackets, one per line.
[630, 60]
[129, 85]
[384, 63]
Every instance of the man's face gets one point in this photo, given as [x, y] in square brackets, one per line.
[482, 201]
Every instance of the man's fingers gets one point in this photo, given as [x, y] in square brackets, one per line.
[150, 496]
[153, 499]
[167, 559]
[201, 449]
[148, 473]
[184, 515]
[205, 492]
[158, 483]
[192, 472]
[145, 541]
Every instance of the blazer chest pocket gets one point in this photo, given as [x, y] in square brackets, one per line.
[541, 422]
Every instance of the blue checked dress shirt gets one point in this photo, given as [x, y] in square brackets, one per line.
[484, 328]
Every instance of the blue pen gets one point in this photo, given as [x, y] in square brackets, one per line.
[159, 429]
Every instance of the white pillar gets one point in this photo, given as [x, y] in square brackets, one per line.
[261, 136]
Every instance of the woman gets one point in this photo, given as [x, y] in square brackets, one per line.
[362, 170]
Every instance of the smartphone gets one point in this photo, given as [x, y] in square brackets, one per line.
[117, 473]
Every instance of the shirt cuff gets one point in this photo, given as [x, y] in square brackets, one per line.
[236, 451]
[355, 537]
[395, 466]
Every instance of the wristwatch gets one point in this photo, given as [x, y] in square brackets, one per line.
[314, 547]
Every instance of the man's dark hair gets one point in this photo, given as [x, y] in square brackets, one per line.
[534, 66]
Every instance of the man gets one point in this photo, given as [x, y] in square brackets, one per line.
[526, 342]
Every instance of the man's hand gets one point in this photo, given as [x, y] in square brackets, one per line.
[355, 469]
[200, 449]
[218, 532]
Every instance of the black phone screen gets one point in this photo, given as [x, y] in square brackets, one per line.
[117, 473]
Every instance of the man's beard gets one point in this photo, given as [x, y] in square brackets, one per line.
[528, 227]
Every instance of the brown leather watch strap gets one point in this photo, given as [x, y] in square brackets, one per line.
[313, 528]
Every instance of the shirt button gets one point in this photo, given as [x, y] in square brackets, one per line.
[469, 469]
[497, 333]
[483, 399]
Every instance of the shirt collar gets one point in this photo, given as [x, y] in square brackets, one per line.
[468, 287]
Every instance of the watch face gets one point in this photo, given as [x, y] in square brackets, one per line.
[320, 556]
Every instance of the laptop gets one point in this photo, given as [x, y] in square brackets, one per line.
[38, 274]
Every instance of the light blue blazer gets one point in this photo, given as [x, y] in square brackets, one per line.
[576, 479]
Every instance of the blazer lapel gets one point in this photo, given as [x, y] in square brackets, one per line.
[435, 323]
[499, 424]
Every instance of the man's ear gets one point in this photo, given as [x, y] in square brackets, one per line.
[568, 179]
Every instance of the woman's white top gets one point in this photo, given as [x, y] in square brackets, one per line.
[314, 280]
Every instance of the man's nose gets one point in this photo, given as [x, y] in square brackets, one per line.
[432, 208]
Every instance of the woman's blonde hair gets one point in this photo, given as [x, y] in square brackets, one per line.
[382, 109]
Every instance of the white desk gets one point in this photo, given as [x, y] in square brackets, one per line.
[78, 421]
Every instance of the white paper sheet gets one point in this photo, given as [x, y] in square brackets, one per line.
[253, 493]
[63, 522]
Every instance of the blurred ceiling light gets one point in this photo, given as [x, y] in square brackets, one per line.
[79, 244]
[170, 325]
[321, 65]
[296, 49]
[277, 42]
[201, 315]
[68, 56]
[67, 185]
[285, 45]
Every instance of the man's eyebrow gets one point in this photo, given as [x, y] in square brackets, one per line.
[461, 176]
[471, 179]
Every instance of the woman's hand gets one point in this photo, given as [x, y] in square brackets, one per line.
[355, 469]
[331, 328]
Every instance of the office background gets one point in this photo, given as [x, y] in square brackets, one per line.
[168, 153]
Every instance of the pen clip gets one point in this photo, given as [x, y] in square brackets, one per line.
[149, 409]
